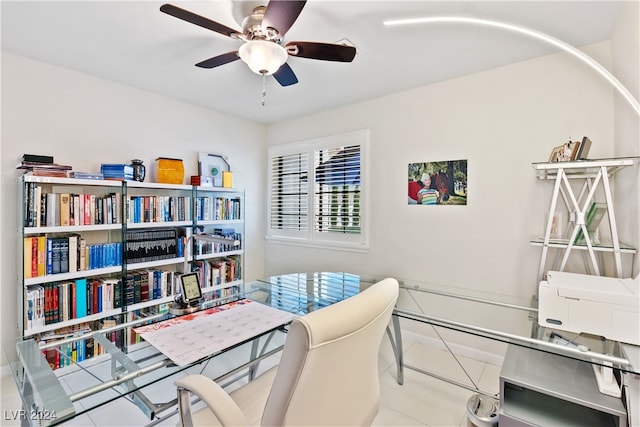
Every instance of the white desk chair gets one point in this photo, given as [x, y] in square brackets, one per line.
[328, 372]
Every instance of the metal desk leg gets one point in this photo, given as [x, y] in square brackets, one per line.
[396, 344]
[254, 354]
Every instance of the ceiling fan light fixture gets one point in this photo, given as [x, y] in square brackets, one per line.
[263, 57]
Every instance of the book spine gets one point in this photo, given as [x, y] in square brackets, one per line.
[81, 297]
[64, 255]
[42, 256]
[26, 257]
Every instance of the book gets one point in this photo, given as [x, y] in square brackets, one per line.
[51, 208]
[73, 252]
[64, 255]
[25, 164]
[65, 209]
[593, 218]
[49, 266]
[27, 257]
[42, 256]
[56, 255]
[81, 297]
[583, 151]
[37, 158]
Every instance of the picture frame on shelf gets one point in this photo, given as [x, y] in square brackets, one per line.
[214, 166]
[555, 154]
[566, 152]
[573, 149]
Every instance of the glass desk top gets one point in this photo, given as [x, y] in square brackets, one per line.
[116, 374]
[491, 317]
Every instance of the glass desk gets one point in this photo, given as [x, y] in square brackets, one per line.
[52, 397]
[489, 319]
[547, 377]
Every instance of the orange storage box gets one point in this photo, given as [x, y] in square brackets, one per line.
[169, 171]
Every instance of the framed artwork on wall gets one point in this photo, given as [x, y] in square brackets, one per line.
[438, 183]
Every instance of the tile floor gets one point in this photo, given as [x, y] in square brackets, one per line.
[420, 401]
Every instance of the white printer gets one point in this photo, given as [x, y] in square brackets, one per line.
[597, 305]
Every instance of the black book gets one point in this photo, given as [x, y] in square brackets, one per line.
[37, 158]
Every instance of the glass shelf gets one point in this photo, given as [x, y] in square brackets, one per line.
[602, 247]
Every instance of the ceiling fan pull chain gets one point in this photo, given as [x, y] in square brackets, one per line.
[264, 88]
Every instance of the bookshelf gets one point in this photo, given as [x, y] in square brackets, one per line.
[100, 253]
[219, 211]
[581, 201]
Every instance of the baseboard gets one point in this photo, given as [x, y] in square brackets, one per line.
[458, 349]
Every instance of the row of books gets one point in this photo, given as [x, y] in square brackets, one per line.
[44, 255]
[229, 292]
[147, 285]
[218, 271]
[65, 209]
[230, 234]
[69, 353]
[153, 245]
[43, 209]
[142, 209]
[217, 208]
[77, 351]
[72, 299]
[133, 337]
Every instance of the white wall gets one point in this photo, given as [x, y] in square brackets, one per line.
[501, 121]
[625, 44]
[84, 121]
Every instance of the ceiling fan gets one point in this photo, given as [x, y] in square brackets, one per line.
[263, 36]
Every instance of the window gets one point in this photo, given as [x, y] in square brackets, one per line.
[316, 191]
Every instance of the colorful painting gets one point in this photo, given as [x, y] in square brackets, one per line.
[438, 183]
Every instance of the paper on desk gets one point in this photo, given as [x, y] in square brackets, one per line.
[189, 338]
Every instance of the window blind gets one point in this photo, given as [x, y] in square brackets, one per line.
[337, 190]
[289, 192]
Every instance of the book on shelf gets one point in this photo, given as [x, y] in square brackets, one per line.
[44, 168]
[37, 158]
[35, 307]
[583, 151]
[65, 209]
[87, 175]
[66, 354]
[594, 216]
[119, 172]
[45, 255]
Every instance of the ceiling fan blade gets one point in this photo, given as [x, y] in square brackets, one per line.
[201, 21]
[285, 75]
[281, 14]
[216, 61]
[322, 51]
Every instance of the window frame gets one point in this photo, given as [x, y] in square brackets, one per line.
[310, 237]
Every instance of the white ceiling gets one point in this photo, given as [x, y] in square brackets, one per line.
[133, 43]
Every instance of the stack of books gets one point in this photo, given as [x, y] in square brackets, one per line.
[119, 172]
[41, 165]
